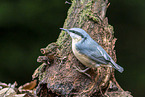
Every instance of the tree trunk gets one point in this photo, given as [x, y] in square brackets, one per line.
[57, 75]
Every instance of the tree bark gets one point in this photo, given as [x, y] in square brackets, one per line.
[57, 75]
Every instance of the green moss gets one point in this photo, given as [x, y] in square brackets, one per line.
[60, 39]
[71, 8]
[111, 27]
[84, 15]
[82, 1]
[93, 17]
[89, 3]
[39, 71]
[41, 77]
[41, 74]
[85, 12]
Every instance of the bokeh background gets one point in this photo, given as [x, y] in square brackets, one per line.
[28, 25]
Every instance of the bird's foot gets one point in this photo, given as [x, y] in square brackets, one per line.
[82, 71]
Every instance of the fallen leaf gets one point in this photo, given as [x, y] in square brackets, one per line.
[30, 86]
[3, 84]
[7, 92]
[21, 95]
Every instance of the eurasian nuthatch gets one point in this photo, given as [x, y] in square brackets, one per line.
[88, 51]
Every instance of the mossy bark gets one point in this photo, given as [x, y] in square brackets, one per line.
[57, 75]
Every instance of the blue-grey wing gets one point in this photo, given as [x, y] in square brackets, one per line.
[94, 52]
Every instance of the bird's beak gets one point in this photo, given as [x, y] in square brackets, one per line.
[66, 30]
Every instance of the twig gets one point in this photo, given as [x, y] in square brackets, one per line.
[6, 91]
[66, 2]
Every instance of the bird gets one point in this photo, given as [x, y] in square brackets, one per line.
[88, 51]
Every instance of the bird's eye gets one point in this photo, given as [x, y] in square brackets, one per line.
[72, 31]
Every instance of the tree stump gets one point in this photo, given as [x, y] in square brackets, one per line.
[57, 75]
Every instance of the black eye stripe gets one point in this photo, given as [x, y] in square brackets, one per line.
[78, 33]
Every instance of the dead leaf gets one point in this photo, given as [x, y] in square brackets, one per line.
[7, 92]
[30, 86]
[3, 84]
[21, 95]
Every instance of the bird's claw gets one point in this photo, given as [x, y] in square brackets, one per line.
[82, 71]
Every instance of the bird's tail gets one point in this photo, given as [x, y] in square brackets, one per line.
[116, 66]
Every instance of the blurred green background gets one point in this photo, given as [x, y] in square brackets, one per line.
[28, 25]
